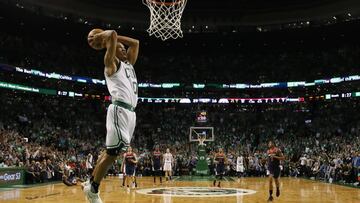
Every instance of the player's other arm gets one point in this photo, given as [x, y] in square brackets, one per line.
[133, 47]
[135, 159]
[280, 156]
[110, 44]
[152, 163]
[215, 159]
[99, 39]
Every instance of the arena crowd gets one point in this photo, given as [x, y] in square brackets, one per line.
[57, 138]
[53, 136]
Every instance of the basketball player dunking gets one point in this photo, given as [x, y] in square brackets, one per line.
[156, 160]
[122, 84]
[274, 157]
[220, 161]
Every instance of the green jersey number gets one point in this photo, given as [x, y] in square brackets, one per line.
[130, 74]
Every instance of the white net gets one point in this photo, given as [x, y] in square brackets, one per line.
[165, 18]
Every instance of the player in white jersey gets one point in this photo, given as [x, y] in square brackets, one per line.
[89, 164]
[240, 166]
[168, 162]
[122, 85]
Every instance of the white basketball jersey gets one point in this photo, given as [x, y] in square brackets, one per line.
[168, 157]
[240, 161]
[122, 85]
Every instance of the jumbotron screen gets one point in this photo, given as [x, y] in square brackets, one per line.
[201, 117]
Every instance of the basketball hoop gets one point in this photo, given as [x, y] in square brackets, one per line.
[165, 18]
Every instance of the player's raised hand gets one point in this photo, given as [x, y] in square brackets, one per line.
[96, 39]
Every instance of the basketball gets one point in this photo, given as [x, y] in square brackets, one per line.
[92, 41]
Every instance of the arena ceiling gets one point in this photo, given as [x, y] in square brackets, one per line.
[201, 12]
[244, 5]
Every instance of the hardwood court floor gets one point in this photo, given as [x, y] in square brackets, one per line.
[293, 190]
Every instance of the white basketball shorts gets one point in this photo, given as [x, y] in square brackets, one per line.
[240, 168]
[167, 166]
[120, 126]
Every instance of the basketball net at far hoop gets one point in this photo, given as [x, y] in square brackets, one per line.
[165, 18]
[201, 139]
[201, 134]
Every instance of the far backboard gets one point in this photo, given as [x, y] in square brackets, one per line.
[196, 132]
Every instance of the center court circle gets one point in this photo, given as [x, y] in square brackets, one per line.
[195, 192]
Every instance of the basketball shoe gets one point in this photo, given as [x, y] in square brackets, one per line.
[91, 197]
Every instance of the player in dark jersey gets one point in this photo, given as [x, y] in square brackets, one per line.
[156, 160]
[220, 161]
[274, 157]
[129, 162]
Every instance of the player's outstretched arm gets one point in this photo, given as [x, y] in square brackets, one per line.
[214, 159]
[133, 50]
[110, 44]
[280, 157]
[136, 159]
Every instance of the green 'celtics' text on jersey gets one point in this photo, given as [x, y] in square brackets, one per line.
[122, 85]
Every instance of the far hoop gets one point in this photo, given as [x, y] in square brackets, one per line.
[204, 133]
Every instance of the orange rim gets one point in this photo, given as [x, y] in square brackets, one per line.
[157, 2]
